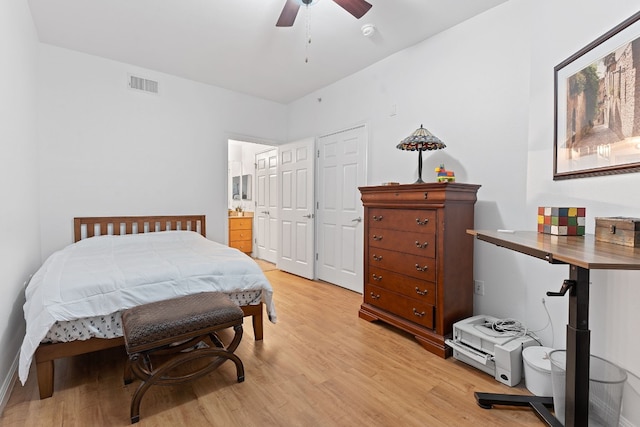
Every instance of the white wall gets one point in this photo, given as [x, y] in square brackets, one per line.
[614, 308]
[107, 150]
[19, 228]
[485, 88]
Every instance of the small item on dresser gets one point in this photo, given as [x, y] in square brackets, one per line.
[445, 175]
[561, 221]
[619, 230]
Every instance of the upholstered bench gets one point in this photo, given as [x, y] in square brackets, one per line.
[176, 327]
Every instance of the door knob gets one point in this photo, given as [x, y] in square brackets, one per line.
[359, 219]
[308, 216]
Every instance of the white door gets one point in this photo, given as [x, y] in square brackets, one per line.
[296, 208]
[266, 214]
[341, 170]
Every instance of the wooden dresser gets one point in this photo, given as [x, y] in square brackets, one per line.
[241, 233]
[418, 258]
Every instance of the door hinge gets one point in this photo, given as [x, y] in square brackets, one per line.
[316, 256]
[318, 154]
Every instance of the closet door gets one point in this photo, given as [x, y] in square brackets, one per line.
[340, 237]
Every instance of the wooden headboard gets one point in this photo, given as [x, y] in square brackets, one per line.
[84, 227]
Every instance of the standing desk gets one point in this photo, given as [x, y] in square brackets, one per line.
[582, 254]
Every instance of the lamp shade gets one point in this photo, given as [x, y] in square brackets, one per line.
[419, 141]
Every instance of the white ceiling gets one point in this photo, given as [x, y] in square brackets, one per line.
[235, 44]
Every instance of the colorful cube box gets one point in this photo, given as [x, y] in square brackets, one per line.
[561, 221]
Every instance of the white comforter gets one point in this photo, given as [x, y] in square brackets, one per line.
[105, 274]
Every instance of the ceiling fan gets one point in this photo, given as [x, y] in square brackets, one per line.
[355, 7]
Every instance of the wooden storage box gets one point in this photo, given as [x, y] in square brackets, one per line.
[619, 230]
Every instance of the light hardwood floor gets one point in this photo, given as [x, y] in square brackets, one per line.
[320, 365]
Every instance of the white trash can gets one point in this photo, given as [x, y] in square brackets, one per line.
[537, 370]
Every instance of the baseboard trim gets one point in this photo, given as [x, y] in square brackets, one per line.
[7, 384]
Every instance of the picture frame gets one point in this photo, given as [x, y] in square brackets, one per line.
[597, 106]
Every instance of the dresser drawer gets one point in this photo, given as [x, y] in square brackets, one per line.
[407, 308]
[420, 267]
[239, 235]
[403, 241]
[404, 285]
[412, 220]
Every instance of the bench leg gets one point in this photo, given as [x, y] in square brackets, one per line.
[140, 365]
[128, 373]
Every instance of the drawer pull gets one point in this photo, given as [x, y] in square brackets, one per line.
[421, 245]
[377, 257]
[419, 292]
[374, 296]
[378, 278]
[377, 238]
[426, 220]
[416, 312]
[421, 268]
[377, 218]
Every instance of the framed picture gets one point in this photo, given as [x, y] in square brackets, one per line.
[597, 106]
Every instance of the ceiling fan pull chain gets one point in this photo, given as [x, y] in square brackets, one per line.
[308, 39]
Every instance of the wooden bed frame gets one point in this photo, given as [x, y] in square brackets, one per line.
[91, 226]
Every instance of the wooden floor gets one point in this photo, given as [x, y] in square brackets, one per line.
[320, 365]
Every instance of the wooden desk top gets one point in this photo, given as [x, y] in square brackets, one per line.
[583, 251]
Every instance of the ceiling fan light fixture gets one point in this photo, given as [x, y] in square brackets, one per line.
[368, 30]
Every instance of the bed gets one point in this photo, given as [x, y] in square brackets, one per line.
[73, 302]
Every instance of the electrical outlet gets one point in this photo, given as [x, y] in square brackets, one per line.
[478, 287]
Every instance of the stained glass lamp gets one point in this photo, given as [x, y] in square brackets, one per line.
[421, 140]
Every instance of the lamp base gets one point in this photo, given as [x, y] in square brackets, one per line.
[419, 181]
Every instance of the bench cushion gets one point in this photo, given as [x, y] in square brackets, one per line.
[163, 322]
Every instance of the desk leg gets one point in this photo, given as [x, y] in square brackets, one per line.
[578, 357]
[578, 350]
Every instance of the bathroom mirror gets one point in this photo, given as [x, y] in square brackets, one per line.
[246, 187]
[241, 187]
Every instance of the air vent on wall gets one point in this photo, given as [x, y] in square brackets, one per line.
[142, 84]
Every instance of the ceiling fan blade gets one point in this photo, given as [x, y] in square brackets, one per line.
[355, 7]
[289, 13]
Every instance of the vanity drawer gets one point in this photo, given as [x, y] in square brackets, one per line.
[240, 235]
[243, 245]
[240, 223]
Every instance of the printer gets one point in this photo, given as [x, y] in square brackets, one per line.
[497, 353]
